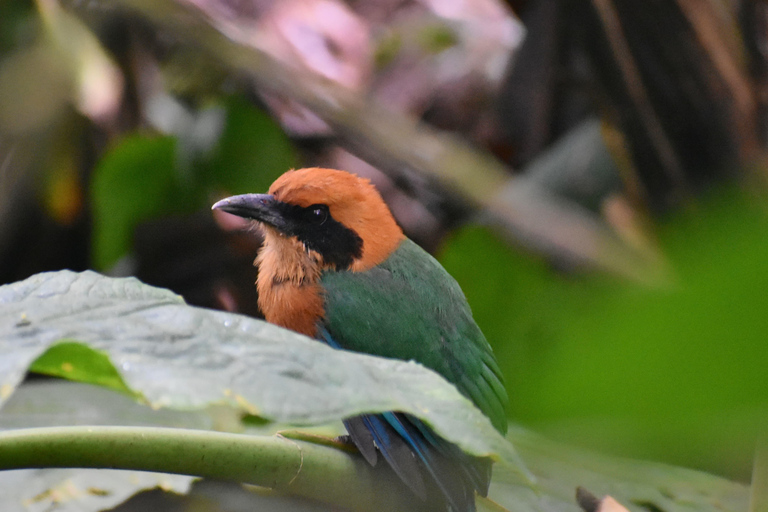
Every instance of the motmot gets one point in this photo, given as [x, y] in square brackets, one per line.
[336, 266]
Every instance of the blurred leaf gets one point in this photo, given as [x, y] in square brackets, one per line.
[252, 152]
[63, 192]
[79, 490]
[134, 181]
[55, 402]
[97, 80]
[578, 167]
[640, 486]
[144, 177]
[184, 357]
[387, 49]
[437, 37]
[15, 23]
[653, 373]
[34, 89]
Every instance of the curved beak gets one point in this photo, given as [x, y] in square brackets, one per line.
[261, 207]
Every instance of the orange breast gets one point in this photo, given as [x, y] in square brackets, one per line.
[298, 308]
[289, 293]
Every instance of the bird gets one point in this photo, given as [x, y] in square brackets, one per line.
[336, 266]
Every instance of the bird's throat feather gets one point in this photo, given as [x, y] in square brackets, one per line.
[288, 283]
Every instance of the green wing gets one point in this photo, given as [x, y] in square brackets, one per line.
[410, 308]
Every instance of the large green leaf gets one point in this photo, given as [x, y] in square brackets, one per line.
[180, 356]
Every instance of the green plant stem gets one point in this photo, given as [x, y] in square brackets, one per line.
[300, 468]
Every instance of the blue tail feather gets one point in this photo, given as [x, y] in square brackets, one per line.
[442, 460]
[430, 466]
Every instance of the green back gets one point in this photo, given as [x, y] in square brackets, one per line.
[409, 307]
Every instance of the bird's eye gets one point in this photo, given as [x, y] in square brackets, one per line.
[318, 214]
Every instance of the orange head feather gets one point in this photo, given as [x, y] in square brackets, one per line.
[352, 201]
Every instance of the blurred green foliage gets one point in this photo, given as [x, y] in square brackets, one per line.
[437, 38]
[135, 181]
[676, 374]
[251, 153]
[144, 176]
[16, 23]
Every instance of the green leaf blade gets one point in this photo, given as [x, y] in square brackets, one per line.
[185, 357]
[78, 362]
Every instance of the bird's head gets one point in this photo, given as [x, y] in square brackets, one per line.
[339, 219]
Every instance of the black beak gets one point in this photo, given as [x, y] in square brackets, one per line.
[261, 207]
